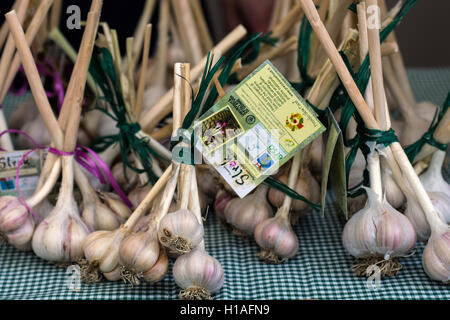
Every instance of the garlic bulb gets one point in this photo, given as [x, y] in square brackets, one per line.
[180, 231]
[436, 256]
[36, 129]
[138, 194]
[159, 269]
[245, 214]
[101, 251]
[276, 237]
[222, 200]
[60, 236]
[416, 215]
[138, 253]
[208, 180]
[432, 179]
[316, 156]
[306, 186]
[394, 194]
[378, 230]
[16, 224]
[105, 212]
[199, 274]
[127, 182]
[100, 210]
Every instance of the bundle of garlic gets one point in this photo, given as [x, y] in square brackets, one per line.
[195, 271]
[16, 222]
[60, 235]
[435, 263]
[378, 232]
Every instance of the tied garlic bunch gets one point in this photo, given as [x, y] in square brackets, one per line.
[245, 214]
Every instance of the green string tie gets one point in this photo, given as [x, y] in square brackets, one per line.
[413, 150]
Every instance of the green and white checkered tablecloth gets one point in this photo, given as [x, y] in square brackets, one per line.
[319, 271]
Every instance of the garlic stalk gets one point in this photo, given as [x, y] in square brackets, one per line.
[275, 235]
[245, 214]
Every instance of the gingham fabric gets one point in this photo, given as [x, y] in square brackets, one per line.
[319, 271]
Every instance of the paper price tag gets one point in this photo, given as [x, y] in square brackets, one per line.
[29, 172]
[255, 129]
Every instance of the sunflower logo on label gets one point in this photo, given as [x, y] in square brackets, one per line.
[294, 122]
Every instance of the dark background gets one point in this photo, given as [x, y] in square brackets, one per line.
[423, 35]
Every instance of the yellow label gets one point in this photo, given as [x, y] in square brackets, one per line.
[255, 129]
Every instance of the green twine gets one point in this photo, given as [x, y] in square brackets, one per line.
[341, 97]
[256, 46]
[413, 150]
[278, 185]
[103, 72]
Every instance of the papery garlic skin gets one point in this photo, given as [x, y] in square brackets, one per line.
[436, 256]
[199, 274]
[138, 194]
[180, 231]
[16, 223]
[102, 248]
[394, 194]
[61, 235]
[105, 211]
[306, 186]
[159, 269]
[127, 182]
[139, 252]
[277, 236]
[378, 230]
[222, 200]
[245, 214]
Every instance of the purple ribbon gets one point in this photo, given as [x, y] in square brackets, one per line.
[86, 157]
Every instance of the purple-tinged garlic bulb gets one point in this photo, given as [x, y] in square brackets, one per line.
[245, 214]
